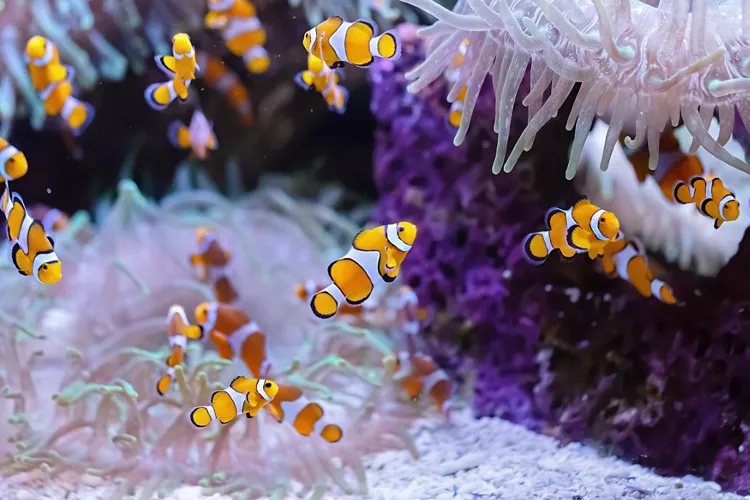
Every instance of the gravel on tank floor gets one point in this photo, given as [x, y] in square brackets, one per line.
[470, 460]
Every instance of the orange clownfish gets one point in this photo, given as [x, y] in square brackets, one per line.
[53, 220]
[374, 259]
[179, 330]
[13, 164]
[237, 336]
[408, 312]
[212, 261]
[215, 74]
[457, 106]
[324, 80]
[242, 31]
[419, 376]
[683, 179]
[338, 42]
[305, 291]
[180, 67]
[582, 228]
[199, 136]
[53, 82]
[33, 251]
[628, 260]
[244, 395]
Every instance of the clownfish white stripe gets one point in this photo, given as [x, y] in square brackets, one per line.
[656, 286]
[254, 53]
[178, 310]
[238, 337]
[310, 287]
[262, 391]
[622, 259]
[237, 397]
[178, 340]
[726, 199]
[240, 26]
[547, 240]
[337, 40]
[220, 6]
[44, 94]
[595, 225]
[394, 238]
[49, 219]
[6, 154]
[313, 38]
[40, 260]
[210, 322]
[433, 378]
[69, 106]
[23, 234]
[170, 371]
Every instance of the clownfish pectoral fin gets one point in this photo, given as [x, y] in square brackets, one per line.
[718, 223]
[303, 80]
[248, 415]
[166, 64]
[578, 238]
[341, 108]
[17, 256]
[252, 399]
[193, 332]
[196, 259]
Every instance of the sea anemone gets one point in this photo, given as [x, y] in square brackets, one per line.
[664, 62]
[80, 360]
[97, 45]
[679, 232]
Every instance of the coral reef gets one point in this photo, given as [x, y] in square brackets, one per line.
[638, 65]
[80, 360]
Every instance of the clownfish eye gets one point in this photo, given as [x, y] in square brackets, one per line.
[268, 385]
[400, 229]
[44, 266]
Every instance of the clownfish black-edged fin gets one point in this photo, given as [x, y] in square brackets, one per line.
[70, 73]
[51, 241]
[173, 134]
[389, 45]
[337, 65]
[681, 193]
[704, 206]
[582, 202]
[718, 223]
[324, 305]
[200, 416]
[162, 385]
[149, 96]
[530, 253]
[369, 24]
[576, 238]
[14, 257]
[567, 259]
[550, 215]
[248, 415]
[166, 64]
[299, 80]
[90, 114]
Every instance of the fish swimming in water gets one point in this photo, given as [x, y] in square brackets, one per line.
[627, 259]
[179, 331]
[683, 179]
[242, 31]
[710, 197]
[457, 107]
[54, 83]
[419, 376]
[180, 67]
[582, 228]
[198, 137]
[244, 395]
[235, 335]
[33, 252]
[324, 80]
[373, 260]
[212, 261]
[13, 163]
[215, 74]
[338, 42]
[305, 291]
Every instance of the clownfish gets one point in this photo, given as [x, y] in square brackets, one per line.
[374, 259]
[53, 82]
[710, 197]
[582, 228]
[237, 336]
[324, 80]
[408, 312]
[199, 136]
[628, 260]
[33, 252]
[242, 31]
[457, 106]
[215, 74]
[180, 67]
[419, 376]
[338, 42]
[212, 261]
[13, 163]
[179, 330]
[683, 179]
[244, 395]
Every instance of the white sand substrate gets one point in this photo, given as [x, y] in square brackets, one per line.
[470, 460]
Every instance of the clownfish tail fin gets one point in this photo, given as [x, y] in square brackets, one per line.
[387, 45]
[536, 248]
[202, 416]
[682, 193]
[162, 385]
[160, 95]
[323, 304]
[173, 134]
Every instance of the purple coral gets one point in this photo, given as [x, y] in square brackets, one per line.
[464, 264]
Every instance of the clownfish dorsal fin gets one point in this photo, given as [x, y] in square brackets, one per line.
[581, 203]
